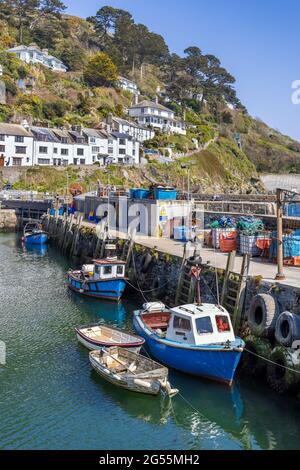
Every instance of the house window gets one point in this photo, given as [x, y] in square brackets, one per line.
[204, 325]
[43, 161]
[17, 161]
[64, 152]
[64, 140]
[65, 162]
[80, 152]
[43, 149]
[222, 323]
[92, 140]
[95, 149]
[110, 142]
[82, 161]
[122, 152]
[2, 137]
[110, 150]
[19, 139]
[55, 150]
[21, 150]
[182, 323]
[107, 270]
[2, 148]
[122, 141]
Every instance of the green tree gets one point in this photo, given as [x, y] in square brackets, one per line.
[100, 71]
[20, 12]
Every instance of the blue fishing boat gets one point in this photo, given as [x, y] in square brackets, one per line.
[105, 279]
[34, 234]
[196, 339]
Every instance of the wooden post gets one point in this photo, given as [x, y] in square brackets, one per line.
[280, 274]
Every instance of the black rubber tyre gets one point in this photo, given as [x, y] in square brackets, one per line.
[157, 288]
[287, 328]
[146, 262]
[263, 313]
[279, 378]
[252, 364]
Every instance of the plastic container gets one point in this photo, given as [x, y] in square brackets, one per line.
[141, 194]
[164, 194]
[293, 209]
[180, 233]
[217, 233]
[228, 242]
[248, 245]
[291, 246]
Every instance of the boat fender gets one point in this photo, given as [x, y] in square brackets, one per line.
[146, 262]
[263, 313]
[252, 364]
[287, 328]
[282, 379]
[166, 387]
[142, 383]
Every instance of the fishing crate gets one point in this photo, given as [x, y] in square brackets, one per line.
[247, 245]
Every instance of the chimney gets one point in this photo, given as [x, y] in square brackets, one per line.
[45, 51]
[1, 70]
[156, 99]
[25, 124]
[136, 99]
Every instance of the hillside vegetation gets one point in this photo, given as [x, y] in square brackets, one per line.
[98, 49]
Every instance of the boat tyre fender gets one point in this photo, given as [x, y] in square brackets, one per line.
[287, 328]
[251, 363]
[263, 313]
[279, 378]
[146, 262]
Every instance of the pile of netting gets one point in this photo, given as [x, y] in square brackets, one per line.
[223, 222]
[249, 225]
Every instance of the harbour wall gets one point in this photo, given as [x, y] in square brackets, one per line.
[156, 275]
[8, 220]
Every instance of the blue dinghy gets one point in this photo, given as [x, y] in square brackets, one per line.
[196, 339]
[34, 234]
[105, 279]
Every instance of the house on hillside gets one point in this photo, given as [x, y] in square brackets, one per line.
[34, 55]
[128, 85]
[16, 145]
[123, 149]
[98, 142]
[153, 114]
[137, 131]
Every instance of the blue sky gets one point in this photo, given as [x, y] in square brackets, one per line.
[258, 41]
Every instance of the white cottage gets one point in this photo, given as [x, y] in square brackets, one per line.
[34, 55]
[153, 114]
[16, 145]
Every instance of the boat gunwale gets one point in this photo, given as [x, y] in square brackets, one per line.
[139, 340]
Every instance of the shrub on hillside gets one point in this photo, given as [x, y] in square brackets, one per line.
[100, 71]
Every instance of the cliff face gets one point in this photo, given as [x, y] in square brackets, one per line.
[8, 220]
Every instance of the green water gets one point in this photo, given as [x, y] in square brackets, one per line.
[51, 399]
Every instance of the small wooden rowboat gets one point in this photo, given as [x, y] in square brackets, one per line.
[95, 337]
[131, 371]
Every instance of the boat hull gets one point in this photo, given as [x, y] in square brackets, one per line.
[214, 363]
[112, 289]
[97, 345]
[36, 239]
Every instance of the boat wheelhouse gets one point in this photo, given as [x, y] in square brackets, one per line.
[34, 234]
[105, 279]
[197, 339]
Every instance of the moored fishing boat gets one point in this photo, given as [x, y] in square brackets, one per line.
[96, 337]
[131, 371]
[196, 339]
[105, 279]
[34, 234]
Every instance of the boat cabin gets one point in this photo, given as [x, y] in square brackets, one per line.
[190, 324]
[106, 269]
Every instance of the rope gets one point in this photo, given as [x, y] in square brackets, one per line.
[272, 362]
[146, 291]
[135, 272]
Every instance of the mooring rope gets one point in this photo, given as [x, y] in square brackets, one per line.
[272, 362]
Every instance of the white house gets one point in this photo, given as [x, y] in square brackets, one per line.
[137, 131]
[34, 55]
[123, 149]
[16, 145]
[149, 113]
[128, 85]
[98, 143]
